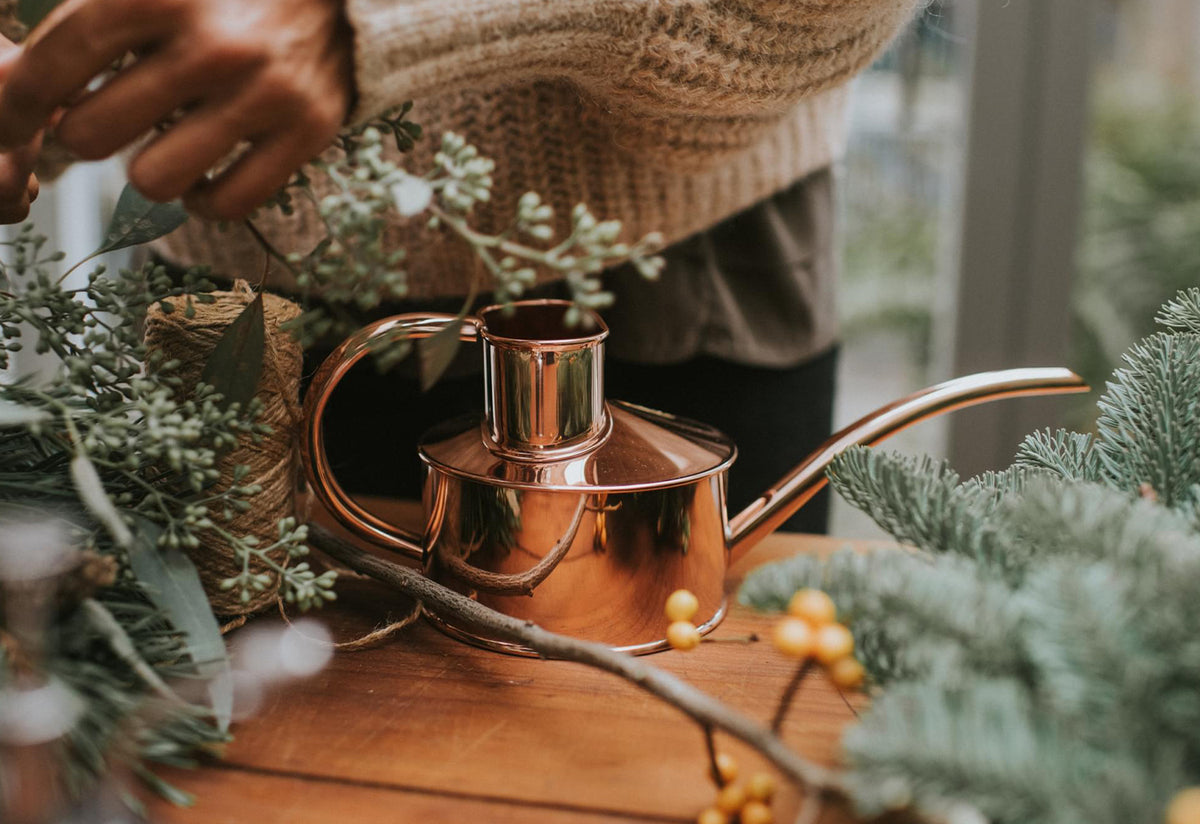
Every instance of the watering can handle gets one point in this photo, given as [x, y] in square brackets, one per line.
[312, 446]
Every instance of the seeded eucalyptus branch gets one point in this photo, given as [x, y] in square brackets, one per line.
[354, 266]
[113, 413]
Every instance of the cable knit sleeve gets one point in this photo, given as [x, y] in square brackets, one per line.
[660, 57]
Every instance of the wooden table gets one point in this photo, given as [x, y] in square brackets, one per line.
[425, 728]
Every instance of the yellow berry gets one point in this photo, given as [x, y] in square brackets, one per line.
[847, 673]
[761, 787]
[683, 635]
[727, 767]
[731, 798]
[756, 812]
[712, 815]
[681, 605]
[794, 638]
[1184, 807]
[832, 642]
[813, 606]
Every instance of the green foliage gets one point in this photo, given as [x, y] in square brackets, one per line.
[136, 220]
[154, 451]
[106, 441]
[355, 266]
[236, 362]
[1182, 313]
[1035, 651]
[112, 705]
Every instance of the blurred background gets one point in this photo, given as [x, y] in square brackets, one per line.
[1022, 188]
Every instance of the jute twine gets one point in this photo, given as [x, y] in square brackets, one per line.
[274, 460]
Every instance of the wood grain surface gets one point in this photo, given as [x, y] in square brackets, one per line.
[424, 728]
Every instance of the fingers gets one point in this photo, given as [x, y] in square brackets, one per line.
[250, 181]
[179, 158]
[83, 38]
[127, 106]
[285, 131]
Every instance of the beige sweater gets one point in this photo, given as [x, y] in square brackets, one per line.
[668, 115]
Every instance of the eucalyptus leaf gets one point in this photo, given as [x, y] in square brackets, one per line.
[138, 220]
[32, 12]
[235, 364]
[91, 492]
[436, 352]
[171, 581]
[14, 414]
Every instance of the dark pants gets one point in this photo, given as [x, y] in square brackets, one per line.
[775, 416]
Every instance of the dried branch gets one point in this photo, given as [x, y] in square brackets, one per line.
[702, 708]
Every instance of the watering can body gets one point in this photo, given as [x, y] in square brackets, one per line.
[578, 513]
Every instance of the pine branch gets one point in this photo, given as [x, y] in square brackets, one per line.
[1068, 690]
[988, 748]
[1067, 455]
[1182, 313]
[1149, 424]
[920, 502]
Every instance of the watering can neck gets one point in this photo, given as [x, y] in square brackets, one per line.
[543, 380]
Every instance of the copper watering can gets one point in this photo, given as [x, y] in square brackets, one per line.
[582, 514]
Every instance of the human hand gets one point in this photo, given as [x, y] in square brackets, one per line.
[18, 183]
[274, 73]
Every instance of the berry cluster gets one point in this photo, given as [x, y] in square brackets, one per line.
[811, 631]
[747, 803]
[681, 609]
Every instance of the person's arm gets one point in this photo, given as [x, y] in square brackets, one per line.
[644, 57]
[280, 74]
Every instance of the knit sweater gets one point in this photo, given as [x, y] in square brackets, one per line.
[668, 115]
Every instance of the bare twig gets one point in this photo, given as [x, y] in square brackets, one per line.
[702, 708]
[711, 746]
[846, 701]
[519, 584]
[789, 692]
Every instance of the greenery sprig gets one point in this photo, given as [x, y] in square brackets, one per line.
[355, 266]
[114, 412]
[1037, 651]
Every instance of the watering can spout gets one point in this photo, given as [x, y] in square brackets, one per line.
[764, 515]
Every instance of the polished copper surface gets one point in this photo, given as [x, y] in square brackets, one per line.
[643, 449]
[581, 515]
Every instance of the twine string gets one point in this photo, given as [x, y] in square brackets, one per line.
[273, 459]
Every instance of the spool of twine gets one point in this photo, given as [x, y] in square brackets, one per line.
[274, 460]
